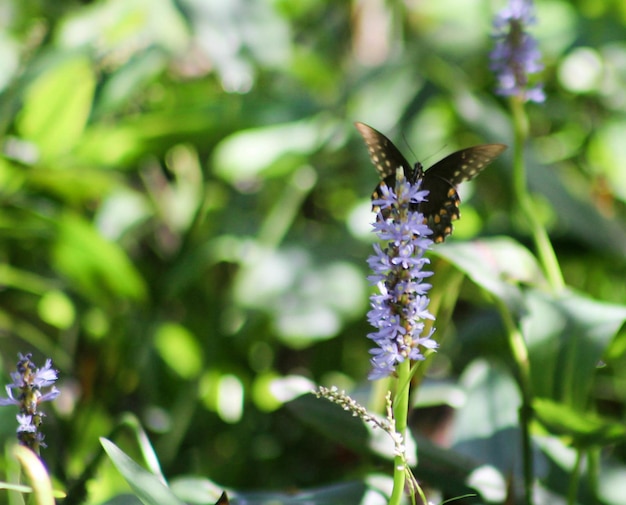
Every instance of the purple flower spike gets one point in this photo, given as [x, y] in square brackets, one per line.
[400, 307]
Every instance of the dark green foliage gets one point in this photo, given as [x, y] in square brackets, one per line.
[184, 208]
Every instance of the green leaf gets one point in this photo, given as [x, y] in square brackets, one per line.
[331, 420]
[586, 428]
[97, 266]
[336, 494]
[497, 265]
[149, 488]
[566, 337]
[37, 475]
[491, 405]
[270, 150]
[147, 451]
[75, 185]
[57, 105]
[194, 489]
[57, 309]
[180, 349]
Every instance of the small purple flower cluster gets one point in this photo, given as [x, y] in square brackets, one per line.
[516, 54]
[399, 310]
[30, 381]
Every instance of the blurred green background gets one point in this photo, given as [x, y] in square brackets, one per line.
[185, 208]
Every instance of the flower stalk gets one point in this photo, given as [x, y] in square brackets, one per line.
[400, 308]
[514, 59]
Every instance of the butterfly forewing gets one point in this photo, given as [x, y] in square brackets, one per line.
[387, 159]
[441, 180]
[385, 156]
[465, 164]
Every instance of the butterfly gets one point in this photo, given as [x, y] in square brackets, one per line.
[441, 180]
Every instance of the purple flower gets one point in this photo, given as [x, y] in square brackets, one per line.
[29, 381]
[10, 400]
[516, 54]
[398, 310]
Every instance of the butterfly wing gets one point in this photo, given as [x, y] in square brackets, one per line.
[442, 179]
[384, 155]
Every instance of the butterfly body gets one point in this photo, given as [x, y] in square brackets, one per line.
[441, 180]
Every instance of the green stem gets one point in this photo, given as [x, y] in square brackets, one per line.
[575, 480]
[545, 251]
[400, 413]
[520, 356]
[592, 457]
[593, 461]
[547, 259]
[550, 265]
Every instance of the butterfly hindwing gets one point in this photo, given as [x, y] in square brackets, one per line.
[441, 180]
[440, 208]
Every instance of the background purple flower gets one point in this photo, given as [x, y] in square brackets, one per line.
[29, 381]
[516, 54]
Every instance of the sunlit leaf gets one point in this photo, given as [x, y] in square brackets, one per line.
[148, 487]
[98, 267]
[180, 349]
[497, 265]
[271, 150]
[57, 105]
[585, 428]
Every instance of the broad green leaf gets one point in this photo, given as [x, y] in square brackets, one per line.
[486, 427]
[566, 337]
[24, 280]
[121, 143]
[320, 297]
[57, 105]
[270, 150]
[557, 466]
[497, 265]
[272, 390]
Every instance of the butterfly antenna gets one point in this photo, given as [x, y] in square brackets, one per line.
[409, 146]
[413, 152]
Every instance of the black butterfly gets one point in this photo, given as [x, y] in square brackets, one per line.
[441, 180]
